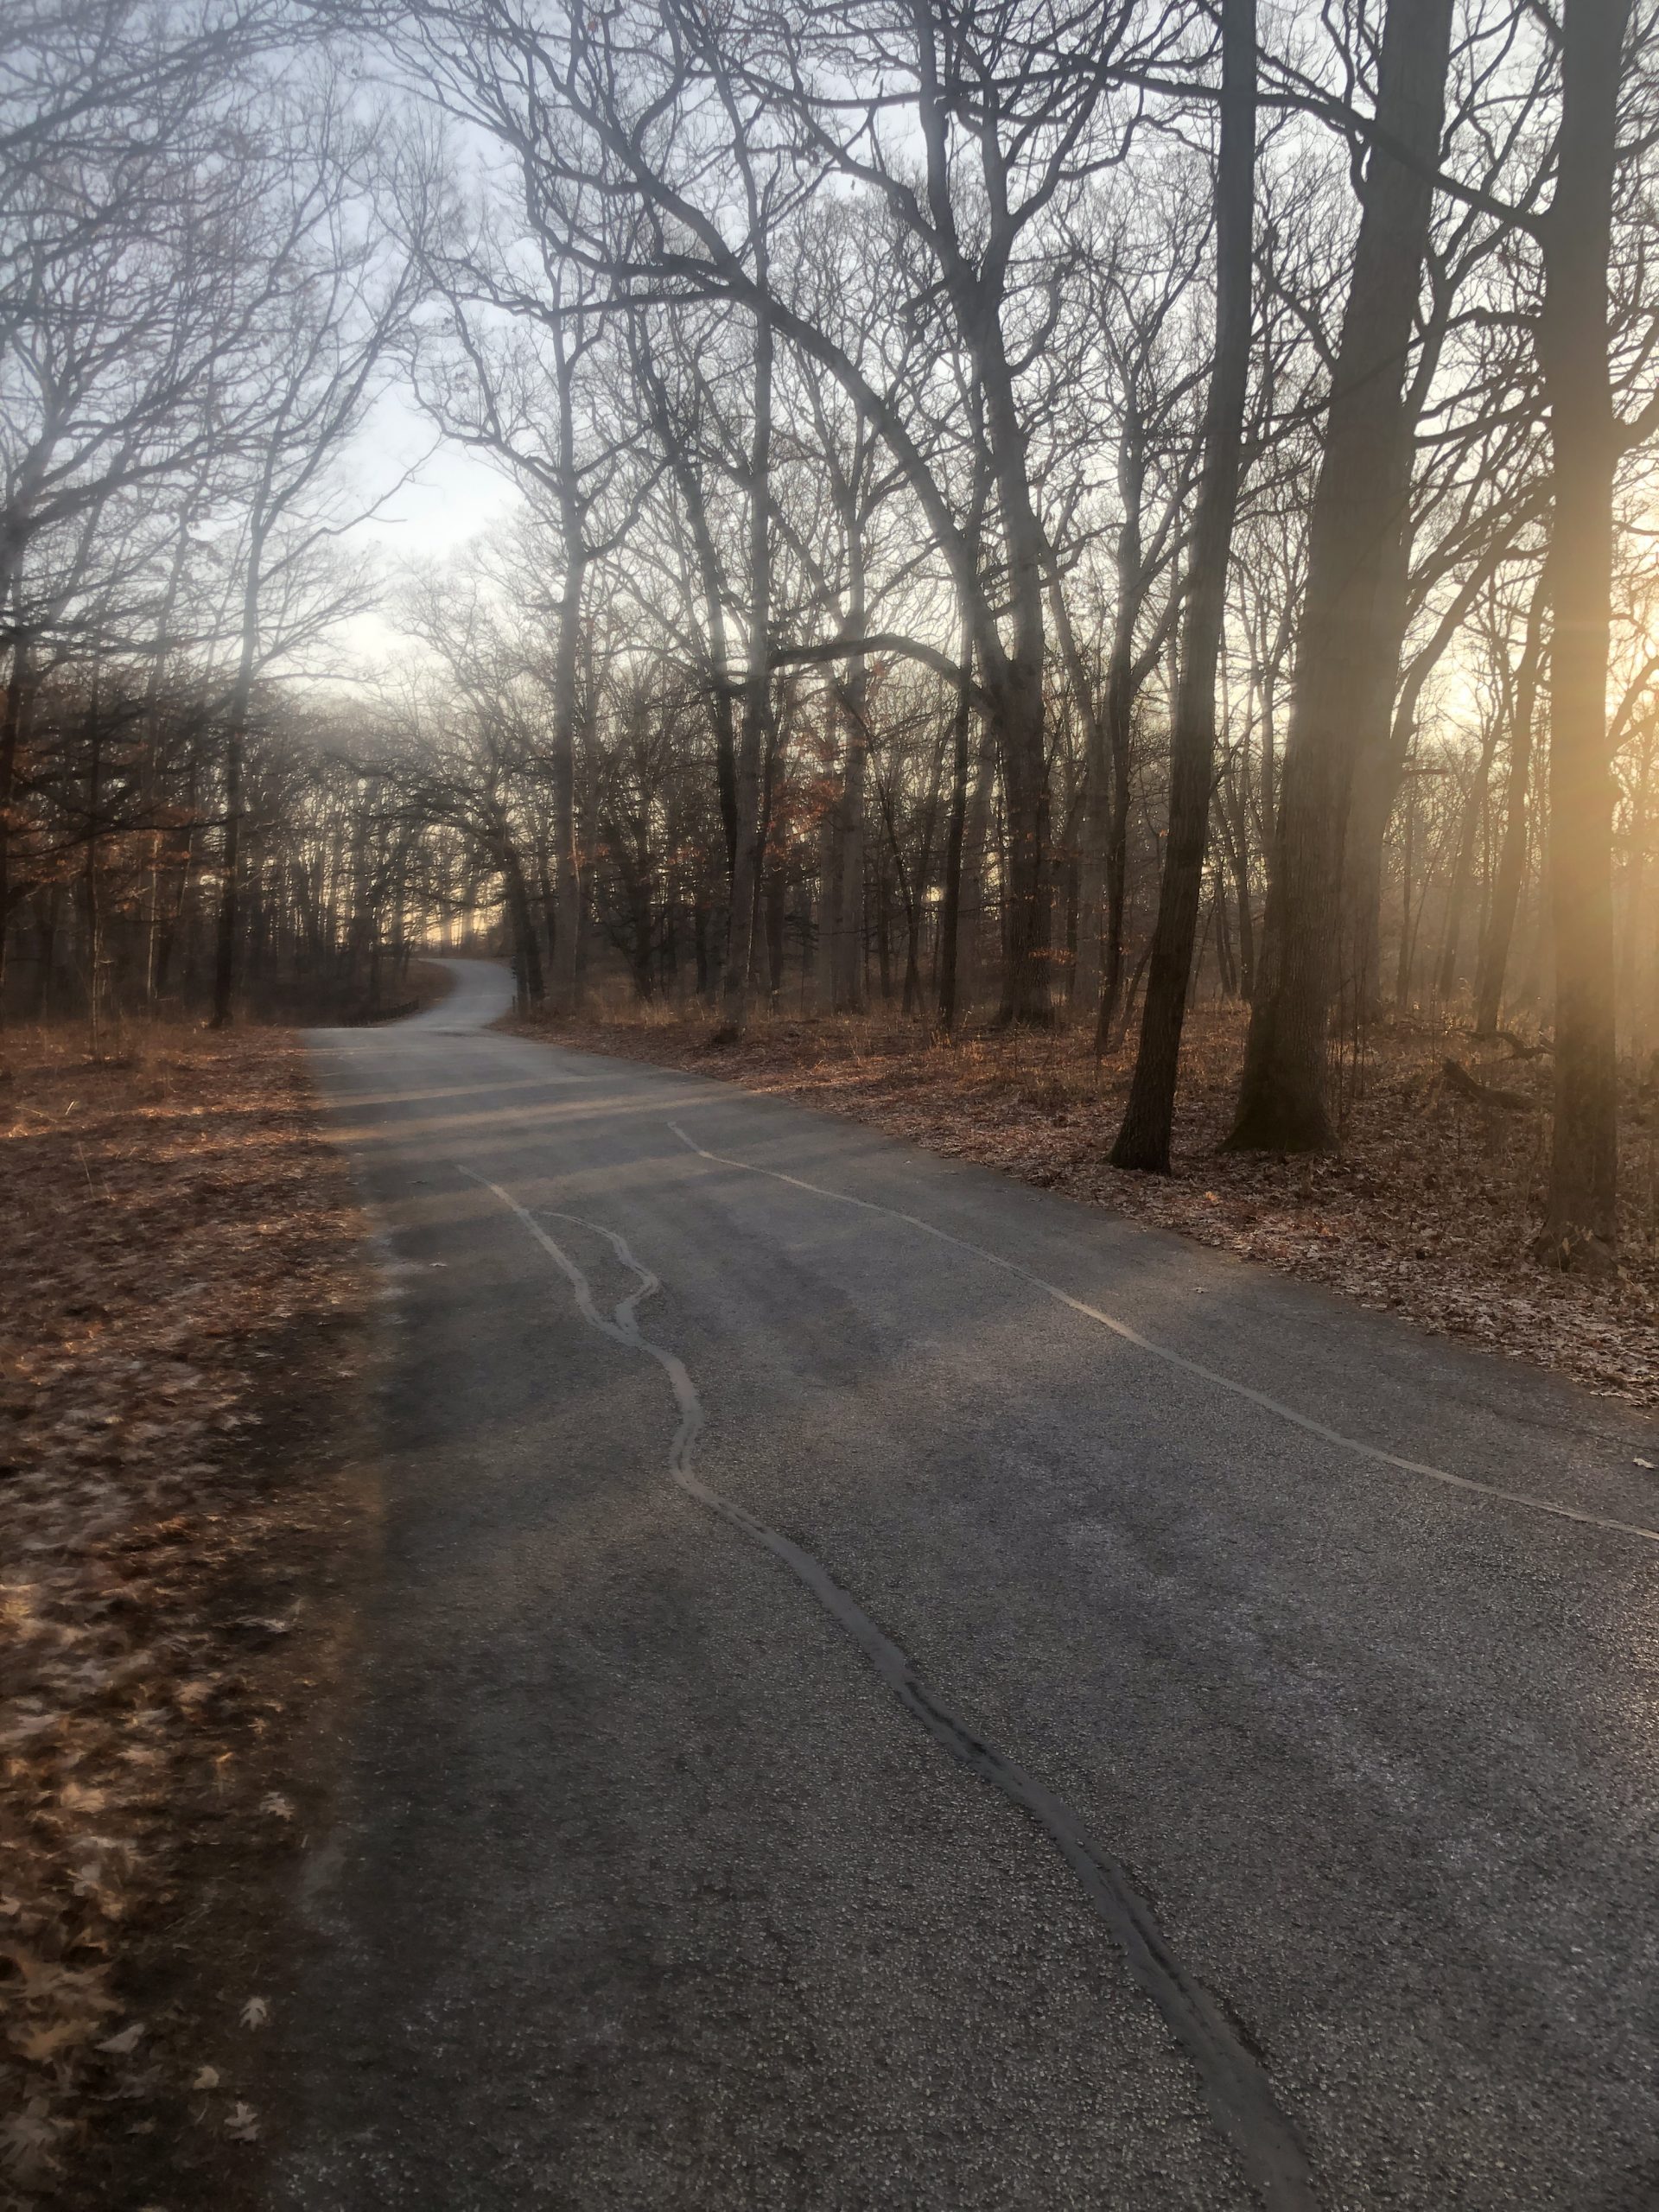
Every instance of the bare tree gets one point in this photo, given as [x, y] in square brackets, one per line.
[1581, 1228]
[1143, 1141]
[1356, 523]
[338, 306]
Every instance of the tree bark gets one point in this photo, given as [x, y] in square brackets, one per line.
[757, 691]
[528, 989]
[1379, 765]
[955, 832]
[1120, 712]
[566, 655]
[1358, 510]
[1013, 678]
[566, 860]
[1580, 1220]
[970, 912]
[235, 740]
[1097, 816]
[846, 963]
[1143, 1141]
[12, 720]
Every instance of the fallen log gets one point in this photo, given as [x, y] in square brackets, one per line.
[1462, 1084]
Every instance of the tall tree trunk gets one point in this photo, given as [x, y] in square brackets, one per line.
[884, 931]
[689, 482]
[720, 663]
[971, 911]
[50, 914]
[777, 899]
[567, 933]
[1635, 963]
[529, 987]
[827, 952]
[1234, 792]
[1017, 718]
[1358, 508]
[1581, 1221]
[230, 874]
[1120, 712]
[235, 739]
[955, 832]
[1143, 1141]
[916, 889]
[1387, 723]
[818, 939]
[757, 691]
[13, 713]
[1379, 764]
[1225, 964]
[847, 968]
[89, 874]
[1463, 866]
[1512, 850]
[1013, 682]
[1098, 794]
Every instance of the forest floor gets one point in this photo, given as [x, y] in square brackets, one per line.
[184, 1507]
[1427, 1208]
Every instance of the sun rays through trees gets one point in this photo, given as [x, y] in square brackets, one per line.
[1026, 515]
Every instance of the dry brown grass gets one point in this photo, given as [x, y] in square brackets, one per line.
[1426, 1207]
[182, 1279]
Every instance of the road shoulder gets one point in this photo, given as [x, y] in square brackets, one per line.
[191, 1502]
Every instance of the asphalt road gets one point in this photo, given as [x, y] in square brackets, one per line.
[909, 1692]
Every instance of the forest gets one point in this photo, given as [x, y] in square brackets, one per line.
[1027, 515]
[829, 1104]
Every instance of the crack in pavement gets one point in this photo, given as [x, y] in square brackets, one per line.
[1236, 2090]
[1375, 1452]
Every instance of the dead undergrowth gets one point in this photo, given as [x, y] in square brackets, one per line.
[178, 1381]
[1426, 1209]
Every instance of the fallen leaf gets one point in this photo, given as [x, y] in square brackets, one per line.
[242, 2124]
[41, 2045]
[207, 2078]
[43, 1979]
[26, 2141]
[125, 2041]
[256, 2012]
[279, 1807]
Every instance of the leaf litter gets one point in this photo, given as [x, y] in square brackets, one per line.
[173, 1223]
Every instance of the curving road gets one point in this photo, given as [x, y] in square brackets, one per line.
[887, 1689]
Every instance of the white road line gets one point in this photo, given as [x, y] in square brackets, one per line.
[1304, 1421]
[1236, 2090]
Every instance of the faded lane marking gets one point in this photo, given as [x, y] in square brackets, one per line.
[1236, 2090]
[1304, 1421]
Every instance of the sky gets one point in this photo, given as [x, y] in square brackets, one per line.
[454, 496]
